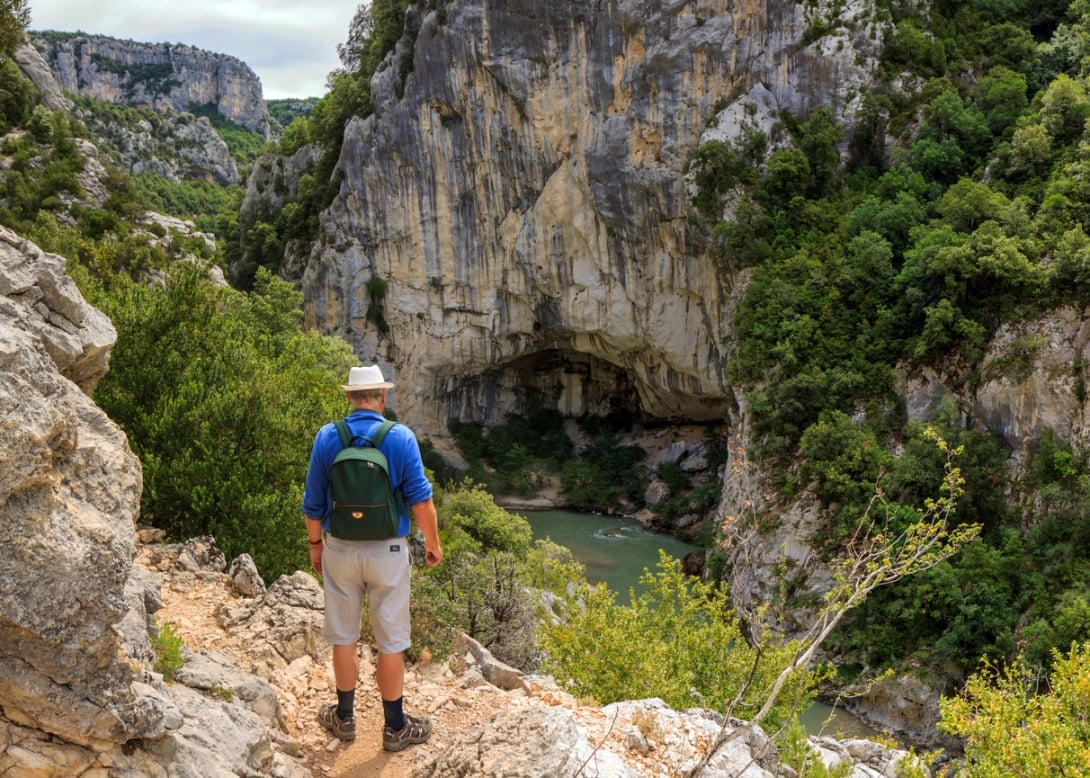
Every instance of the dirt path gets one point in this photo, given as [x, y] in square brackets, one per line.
[431, 689]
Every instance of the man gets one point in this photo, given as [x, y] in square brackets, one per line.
[377, 568]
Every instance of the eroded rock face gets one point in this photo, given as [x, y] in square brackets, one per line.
[157, 76]
[1035, 377]
[78, 694]
[523, 199]
[34, 67]
[69, 497]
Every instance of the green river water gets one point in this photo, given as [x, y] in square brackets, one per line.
[617, 551]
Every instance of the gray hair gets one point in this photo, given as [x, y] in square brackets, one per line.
[366, 395]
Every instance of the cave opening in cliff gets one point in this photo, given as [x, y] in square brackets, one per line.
[573, 384]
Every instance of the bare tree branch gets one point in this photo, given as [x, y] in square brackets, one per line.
[873, 558]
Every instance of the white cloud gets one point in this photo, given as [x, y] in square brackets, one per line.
[290, 44]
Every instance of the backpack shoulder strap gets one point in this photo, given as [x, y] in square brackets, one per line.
[342, 430]
[380, 433]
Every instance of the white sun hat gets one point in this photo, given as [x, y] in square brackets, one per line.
[364, 378]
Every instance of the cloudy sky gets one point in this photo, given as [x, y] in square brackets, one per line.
[290, 44]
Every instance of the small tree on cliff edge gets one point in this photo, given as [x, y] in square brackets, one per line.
[880, 552]
[14, 19]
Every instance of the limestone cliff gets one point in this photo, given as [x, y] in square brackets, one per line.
[177, 146]
[521, 195]
[156, 76]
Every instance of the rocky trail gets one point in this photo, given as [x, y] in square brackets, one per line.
[490, 719]
[454, 694]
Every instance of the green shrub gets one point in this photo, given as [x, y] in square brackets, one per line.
[672, 474]
[472, 520]
[221, 394]
[843, 460]
[678, 641]
[490, 583]
[1012, 725]
[167, 646]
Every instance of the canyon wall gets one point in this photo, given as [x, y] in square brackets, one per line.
[514, 230]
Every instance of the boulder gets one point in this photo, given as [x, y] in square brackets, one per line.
[69, 497]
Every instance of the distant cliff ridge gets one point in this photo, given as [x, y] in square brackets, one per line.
[157, 76]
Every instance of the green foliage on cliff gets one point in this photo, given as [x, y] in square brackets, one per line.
[514, 457]
[376, 29]
[195, 199]
[911, 255]
[14, 18]
[155, 78]
[287, 110]
[17, 96]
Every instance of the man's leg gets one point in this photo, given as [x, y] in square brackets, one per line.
[400, 730]
[340, 717]
[390, 675]
[346, 670]
[346, 667]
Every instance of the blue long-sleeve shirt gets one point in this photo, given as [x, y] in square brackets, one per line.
[402, 455]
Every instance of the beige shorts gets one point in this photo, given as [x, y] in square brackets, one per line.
[378, 569]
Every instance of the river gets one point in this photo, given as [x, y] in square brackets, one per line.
[617, 551]
[614, 551]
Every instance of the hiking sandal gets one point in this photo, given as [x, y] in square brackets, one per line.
[415, 731]
[344, 729]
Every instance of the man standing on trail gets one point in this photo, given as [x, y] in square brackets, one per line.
[378, 569]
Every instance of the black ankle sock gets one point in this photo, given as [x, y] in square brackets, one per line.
[346, 704]
[394, 714]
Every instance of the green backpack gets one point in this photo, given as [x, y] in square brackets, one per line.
[365, 505]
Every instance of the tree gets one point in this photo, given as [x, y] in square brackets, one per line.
[951, 118]
[879, 553]
[1031, 152]
[967, 204]
[841, 458]
[1064, 109]
[819, 136]
[1070, 271]
[788, 174]
[1001, 95]
[360, 32]
[14, 19]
